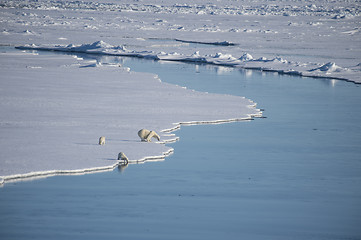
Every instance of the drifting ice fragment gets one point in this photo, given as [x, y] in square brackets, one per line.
[246, 57]
[328, 67]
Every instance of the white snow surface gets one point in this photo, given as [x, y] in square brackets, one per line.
[54, 108]
[292, 37]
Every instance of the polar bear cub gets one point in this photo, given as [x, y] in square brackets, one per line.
[146, 135]
[102, 140]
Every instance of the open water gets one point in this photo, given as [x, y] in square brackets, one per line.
[295, 174]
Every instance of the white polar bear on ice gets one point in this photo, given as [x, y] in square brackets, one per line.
[146, 135]
[102, 140]
[122, 156]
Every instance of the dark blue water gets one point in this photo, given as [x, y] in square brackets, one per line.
[293, 175]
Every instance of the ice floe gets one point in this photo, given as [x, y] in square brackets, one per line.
[316, 8]
[306, 34]
[51, 116]
[329, 68]
[277, 64]
[313, 38]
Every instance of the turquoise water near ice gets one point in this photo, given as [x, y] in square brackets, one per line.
[295, 174]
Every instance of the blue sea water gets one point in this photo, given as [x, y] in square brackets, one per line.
[295, 174]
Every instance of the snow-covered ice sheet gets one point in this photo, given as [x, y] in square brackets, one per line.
[54, 108]
[277, 64]
[308, 38]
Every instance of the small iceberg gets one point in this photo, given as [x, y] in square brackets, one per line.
[224, 56]
[92, 65]
[98, 45]
[329, 68]
[95, 45]
[246, 57]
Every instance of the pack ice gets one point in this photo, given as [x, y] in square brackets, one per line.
[290, 37]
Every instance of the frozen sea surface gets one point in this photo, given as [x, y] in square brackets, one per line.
[292, 175]
[313, 37]
[54, 108]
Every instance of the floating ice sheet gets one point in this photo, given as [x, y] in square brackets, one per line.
[277, 64]
[52, 115]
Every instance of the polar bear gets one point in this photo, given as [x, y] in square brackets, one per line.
[102, 140]
[122, 156]
[146, 135]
